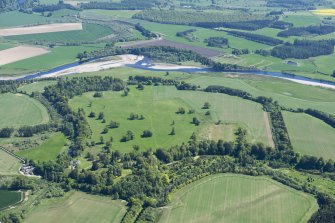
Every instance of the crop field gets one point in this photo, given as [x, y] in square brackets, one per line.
[20, 53]
[47, 151]
[238, 198]
[310, 135]
[89, 32]
[9, 198]
[36, 86]
[230, 110]
[77, 207]
[118, 108]
[324, 12]
[50, 28]
[9, 165]
[15, 108]
[58, 56]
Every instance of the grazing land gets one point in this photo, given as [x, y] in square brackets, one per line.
[237, 198]
[49, 150]
[78, 207]
[16, 18]
[9, 198]
[50, 28]
[9, 165]
[20, 53]
[310, 135]
[18, 110]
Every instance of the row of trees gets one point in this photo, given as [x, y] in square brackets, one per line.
[256, 38]
[187, 34]
[308, 30]
[123, 5]
[220, 42]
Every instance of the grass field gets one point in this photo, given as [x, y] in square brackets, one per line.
[9, 198]
[238, 198]
[77, 207]
[90, 32]
[9, 165]
[58, 56]
[310, 135]
[18, 110]
[36, 86]
[47, 151]
[15, 18]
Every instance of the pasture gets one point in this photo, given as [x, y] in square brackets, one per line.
[20, 53]
[310, 135]
[9, 165]
[9, 198]
[238, 198]
[50, 28]
[16, 18]
[77, 207]
[18, 110]
[49, 149]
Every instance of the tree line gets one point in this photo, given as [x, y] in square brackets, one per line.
[256, 38]
[308, 30]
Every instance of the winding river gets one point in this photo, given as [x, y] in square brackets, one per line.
[145, 64]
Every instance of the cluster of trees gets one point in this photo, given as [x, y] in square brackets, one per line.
[217, 42]
[29, 131]
[9, 5]
[294, 5]
[145, 32]
[327, 118]
[134, 116]
[238, 52]
[308, 30]
[303, 49]
[242, 20]
[128, 136]
[6, 132]
[281, 25]
[256, 38]
[188, 34]
[123, 5]
[54, 7]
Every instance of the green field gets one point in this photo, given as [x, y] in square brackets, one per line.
[237, 198]
[58, 56]
[9, 198]
[36, 86]
[90, 33]
[47, 151]
[77, 207]
[18, 110]
[15, 18]
[310, 135]
[159, 106]
[9, 165]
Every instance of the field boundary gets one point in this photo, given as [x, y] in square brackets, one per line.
[12, 154]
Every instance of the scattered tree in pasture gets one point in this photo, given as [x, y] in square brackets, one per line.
[146, 134]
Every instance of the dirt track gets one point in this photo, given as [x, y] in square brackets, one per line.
[20, 53]
[268, 129]
[56, 27]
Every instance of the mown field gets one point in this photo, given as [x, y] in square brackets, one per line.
[18, 110]
[77, 207]
[310, 135]
[9, 198]
[49, 150]
[237, 198]
[9, 165]
[159, 105]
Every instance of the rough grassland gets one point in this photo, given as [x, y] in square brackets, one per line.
[310, 135]
[9, 198]
[77, 208]
[8, 164]
[159, 115]
[36, 86]
[18, 110]
[47, 151]
[20, 53]
[228, 109]
[237, 198]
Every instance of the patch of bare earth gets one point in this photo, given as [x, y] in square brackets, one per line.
[49, 28]
[20, 53]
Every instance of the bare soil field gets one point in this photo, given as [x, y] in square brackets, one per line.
[162, 42]
[20, 53]
[56, 27]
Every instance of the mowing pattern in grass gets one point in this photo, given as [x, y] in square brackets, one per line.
[228, 109]
[78, 208]
[158, 118]
[8, 164]
[237, 198]
[9, 198]
[310, 135]
[47, 151]
[18, 110]
[36, 86]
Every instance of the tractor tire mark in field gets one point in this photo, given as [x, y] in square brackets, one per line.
[268, 129]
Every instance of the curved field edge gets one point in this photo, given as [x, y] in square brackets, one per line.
[77, 207]
[199, 201]
[10, 199]
[15, 108]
